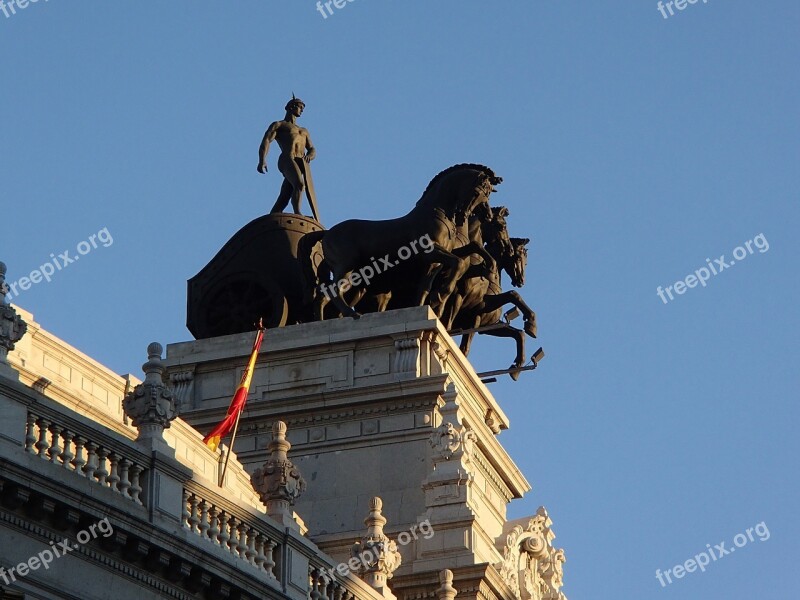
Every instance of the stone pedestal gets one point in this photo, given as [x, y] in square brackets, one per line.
[385, 406]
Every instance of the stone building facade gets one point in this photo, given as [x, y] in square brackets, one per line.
[367, 466]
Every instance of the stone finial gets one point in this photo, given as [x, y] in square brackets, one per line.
[446, 591]
[151, 405]
[279, 482]
[376, 553]
[12, 327]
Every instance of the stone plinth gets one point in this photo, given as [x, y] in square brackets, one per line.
[381, 406]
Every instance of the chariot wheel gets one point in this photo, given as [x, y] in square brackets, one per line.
[237, 305]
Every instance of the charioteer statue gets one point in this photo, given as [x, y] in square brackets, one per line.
[297, 152]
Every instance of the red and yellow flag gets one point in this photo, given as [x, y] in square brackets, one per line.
[213, 439]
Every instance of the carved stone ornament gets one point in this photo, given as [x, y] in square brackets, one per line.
[376, 553]
[531, 566]
[151, 405]
[451, 438]
[279, 480]
[12, 327]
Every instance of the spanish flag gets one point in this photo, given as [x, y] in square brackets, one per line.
[213, 439]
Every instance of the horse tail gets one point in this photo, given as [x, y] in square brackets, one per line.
[304, 249]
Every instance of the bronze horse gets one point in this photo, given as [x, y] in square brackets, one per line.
[478, 299]
[448, 202]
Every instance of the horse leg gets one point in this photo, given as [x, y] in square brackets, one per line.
[344, 307]
[496, 301]
[383, 301]
[519, 337]
[454, 304]
[426, 283]
[466, 339]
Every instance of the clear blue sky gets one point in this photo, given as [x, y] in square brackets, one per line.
[633, 147]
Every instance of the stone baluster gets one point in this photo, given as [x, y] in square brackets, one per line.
[204, 525]
[42, 445]
[102, 473]
[186, 513]
[224, 530]
[250, 553]
[269, 557]
[194, 519]
[124, 474]
[241, 546]
[314, 578]
[55, 448]
[136, 486]
[213, 524]
[30, 434]
[113, 475]
[79, 461]
[91, 458]
[66, 454]
[233, 542]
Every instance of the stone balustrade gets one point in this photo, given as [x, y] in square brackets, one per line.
[74, 448]
[242, 535]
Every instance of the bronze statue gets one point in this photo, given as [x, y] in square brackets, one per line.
[297, 152]
[478, 299]
[448, 201]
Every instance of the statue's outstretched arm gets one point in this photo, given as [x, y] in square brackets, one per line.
[269, 136]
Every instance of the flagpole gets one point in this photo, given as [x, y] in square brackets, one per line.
[230, 449]
[221, 481]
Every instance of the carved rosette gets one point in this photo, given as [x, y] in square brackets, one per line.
[531, 566]
[279, 482]
[12, 327]
[377, 555]
[151, 405]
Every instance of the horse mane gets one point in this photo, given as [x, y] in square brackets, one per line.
[482, 168]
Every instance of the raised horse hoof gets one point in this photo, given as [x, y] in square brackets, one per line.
[514, 371]
[530, 328]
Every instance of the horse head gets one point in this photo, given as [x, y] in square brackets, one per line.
[494, 233]
[459, 191]
[515, 264]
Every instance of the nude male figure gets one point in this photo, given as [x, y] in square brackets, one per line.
[297, 152]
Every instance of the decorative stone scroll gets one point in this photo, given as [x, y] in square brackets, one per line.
[531, 566]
